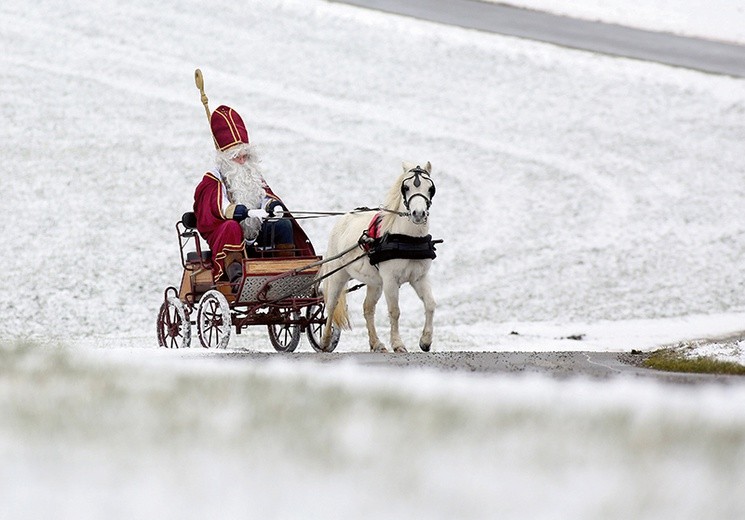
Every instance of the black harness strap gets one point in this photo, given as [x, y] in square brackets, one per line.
[391, 246]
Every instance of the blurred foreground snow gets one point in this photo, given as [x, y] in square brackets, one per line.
[116, 434]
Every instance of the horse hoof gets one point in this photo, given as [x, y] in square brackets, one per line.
[425, 346]
[378, 348]
[400, 350]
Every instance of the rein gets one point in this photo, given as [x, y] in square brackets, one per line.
[301, 215]
[417, 174]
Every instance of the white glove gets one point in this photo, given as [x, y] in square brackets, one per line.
[258, 213]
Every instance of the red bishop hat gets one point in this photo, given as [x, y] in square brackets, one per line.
[228, 128]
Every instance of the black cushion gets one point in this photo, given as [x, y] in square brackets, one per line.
[189, 220]
[193, 257]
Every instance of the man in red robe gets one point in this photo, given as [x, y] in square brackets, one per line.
[236, 210]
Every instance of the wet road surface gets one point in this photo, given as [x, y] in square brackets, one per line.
[693, 53]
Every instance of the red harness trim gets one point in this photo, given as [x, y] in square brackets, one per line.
[372, 233]
[373, 230]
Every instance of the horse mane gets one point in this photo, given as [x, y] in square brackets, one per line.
[393, 202]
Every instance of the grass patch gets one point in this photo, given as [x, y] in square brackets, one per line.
[670, 360]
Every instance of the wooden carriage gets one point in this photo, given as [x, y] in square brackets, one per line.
[279, 292]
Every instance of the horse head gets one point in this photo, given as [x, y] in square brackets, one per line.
[417, 191]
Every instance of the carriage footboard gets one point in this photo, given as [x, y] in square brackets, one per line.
[273, 279]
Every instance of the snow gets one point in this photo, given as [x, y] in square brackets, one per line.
[121, 435]
[730, 351]
[577, 194]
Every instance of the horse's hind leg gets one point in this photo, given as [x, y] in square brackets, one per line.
[391, 290]
[371, 299]
[424, 291]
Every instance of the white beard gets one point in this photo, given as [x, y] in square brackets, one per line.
[244, 185]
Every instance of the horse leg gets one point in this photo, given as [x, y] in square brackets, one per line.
[371, 299]
[424, 291]
[391, 290]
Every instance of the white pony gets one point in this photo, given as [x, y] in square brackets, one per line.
[405, 212]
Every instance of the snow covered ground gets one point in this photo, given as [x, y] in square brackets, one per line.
[577, 194]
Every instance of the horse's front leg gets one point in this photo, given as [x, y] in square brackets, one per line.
[424, 291]
[368, 308]
[391, 290]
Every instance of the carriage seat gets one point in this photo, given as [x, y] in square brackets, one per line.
[193, 257]
[189, 221]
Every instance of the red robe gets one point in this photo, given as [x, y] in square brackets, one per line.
[223, 235]
[226, 235]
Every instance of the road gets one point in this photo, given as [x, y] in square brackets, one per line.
[693, 53]
[561, 365]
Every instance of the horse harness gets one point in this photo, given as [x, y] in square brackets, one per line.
[418, 174]
[394, 245]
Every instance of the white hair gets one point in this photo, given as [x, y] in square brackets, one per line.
[243, 182]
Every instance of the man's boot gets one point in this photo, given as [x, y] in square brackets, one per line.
[235, 274]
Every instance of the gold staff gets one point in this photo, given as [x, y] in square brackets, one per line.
[199, 80]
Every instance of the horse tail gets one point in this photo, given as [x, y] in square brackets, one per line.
[339, 314]
[340, 317]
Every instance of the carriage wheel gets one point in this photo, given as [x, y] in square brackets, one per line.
[315, 330]
[214, 322]
[285, 337]
[174, 328]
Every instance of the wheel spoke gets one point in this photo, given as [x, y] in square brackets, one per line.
[209, 328]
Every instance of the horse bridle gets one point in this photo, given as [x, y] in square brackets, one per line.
[417, 174]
